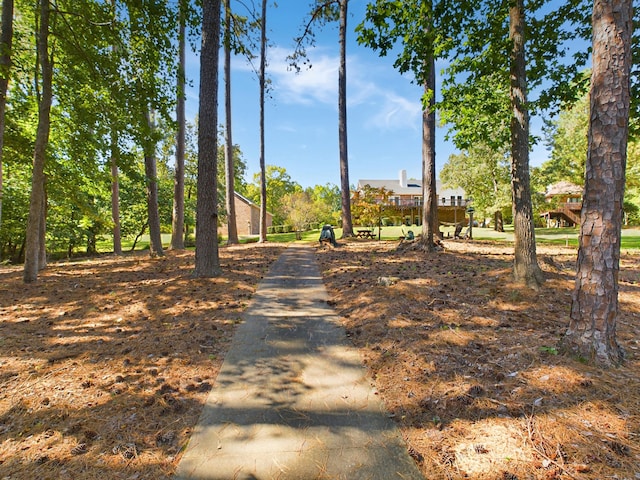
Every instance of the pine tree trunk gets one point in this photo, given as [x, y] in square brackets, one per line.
[525, 266]
[594, 308]
[115, 175]
[42, 250]
[207, 256]
[263, 167]
[177, 218]
[36, 205]
[150, 170]
[232, 228]
[345, 189]
[498, 224]
[115, 197]
[430, 202]
[6, 41]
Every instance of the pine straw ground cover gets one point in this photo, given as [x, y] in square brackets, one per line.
[105, 364]
[467, 363]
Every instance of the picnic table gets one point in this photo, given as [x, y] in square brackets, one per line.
[363, 233]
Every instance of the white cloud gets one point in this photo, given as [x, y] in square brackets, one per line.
[396, 112]
[386, 109]
[318, 84]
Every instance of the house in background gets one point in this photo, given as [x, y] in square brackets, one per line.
[247, 217]
[406, 201]
[565, 204]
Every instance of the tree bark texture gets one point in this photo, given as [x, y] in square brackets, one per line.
[232, 227]
[42, 244]
[115, 196]
[207, 255]
[594, 307]
[177, 218]
[525, 266]
[151, 174]
[37, 199]
[498, 224]
[345, 189]
[263, 167]
[6, 42]
[115, 174]
[430, 201]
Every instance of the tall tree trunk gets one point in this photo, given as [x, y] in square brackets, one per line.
[345, 188]
[36, 205]
[594, 307]
[42, 244]
[187, 226]
[498, 224]
[232, 228]
[115, 175]
[6, 42]
[525, 266]
[429, 198]
[150, 170]
[177, 219]
[115, 195]
[263, 167]
[207, 254]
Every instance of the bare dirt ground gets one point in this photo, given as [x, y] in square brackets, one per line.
[105, 364]
[467, 363]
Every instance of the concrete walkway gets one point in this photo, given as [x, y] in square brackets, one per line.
[291, 400]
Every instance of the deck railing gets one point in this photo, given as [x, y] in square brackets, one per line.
[417, 202]
[571, 205]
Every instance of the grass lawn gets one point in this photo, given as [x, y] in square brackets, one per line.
[544, 236]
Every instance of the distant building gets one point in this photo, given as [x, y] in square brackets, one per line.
[407, 199]
[565, 204]
[247, 217]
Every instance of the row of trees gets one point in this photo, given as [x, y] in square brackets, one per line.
[114, 72]
[483, 172]
[498, 52]
[90, 91]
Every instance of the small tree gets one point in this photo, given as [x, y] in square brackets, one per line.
[300, 211]
[483, 173]
[367, 204]
[278, 184]
[327, 202]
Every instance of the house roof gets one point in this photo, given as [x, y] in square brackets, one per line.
[409, 186]
[249, 202]
[563, 188]
[414, 187]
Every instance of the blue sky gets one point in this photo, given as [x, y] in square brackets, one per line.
[301, 117]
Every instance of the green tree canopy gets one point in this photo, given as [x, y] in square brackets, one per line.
[367, 204]
[483, 173]
[279, 185]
